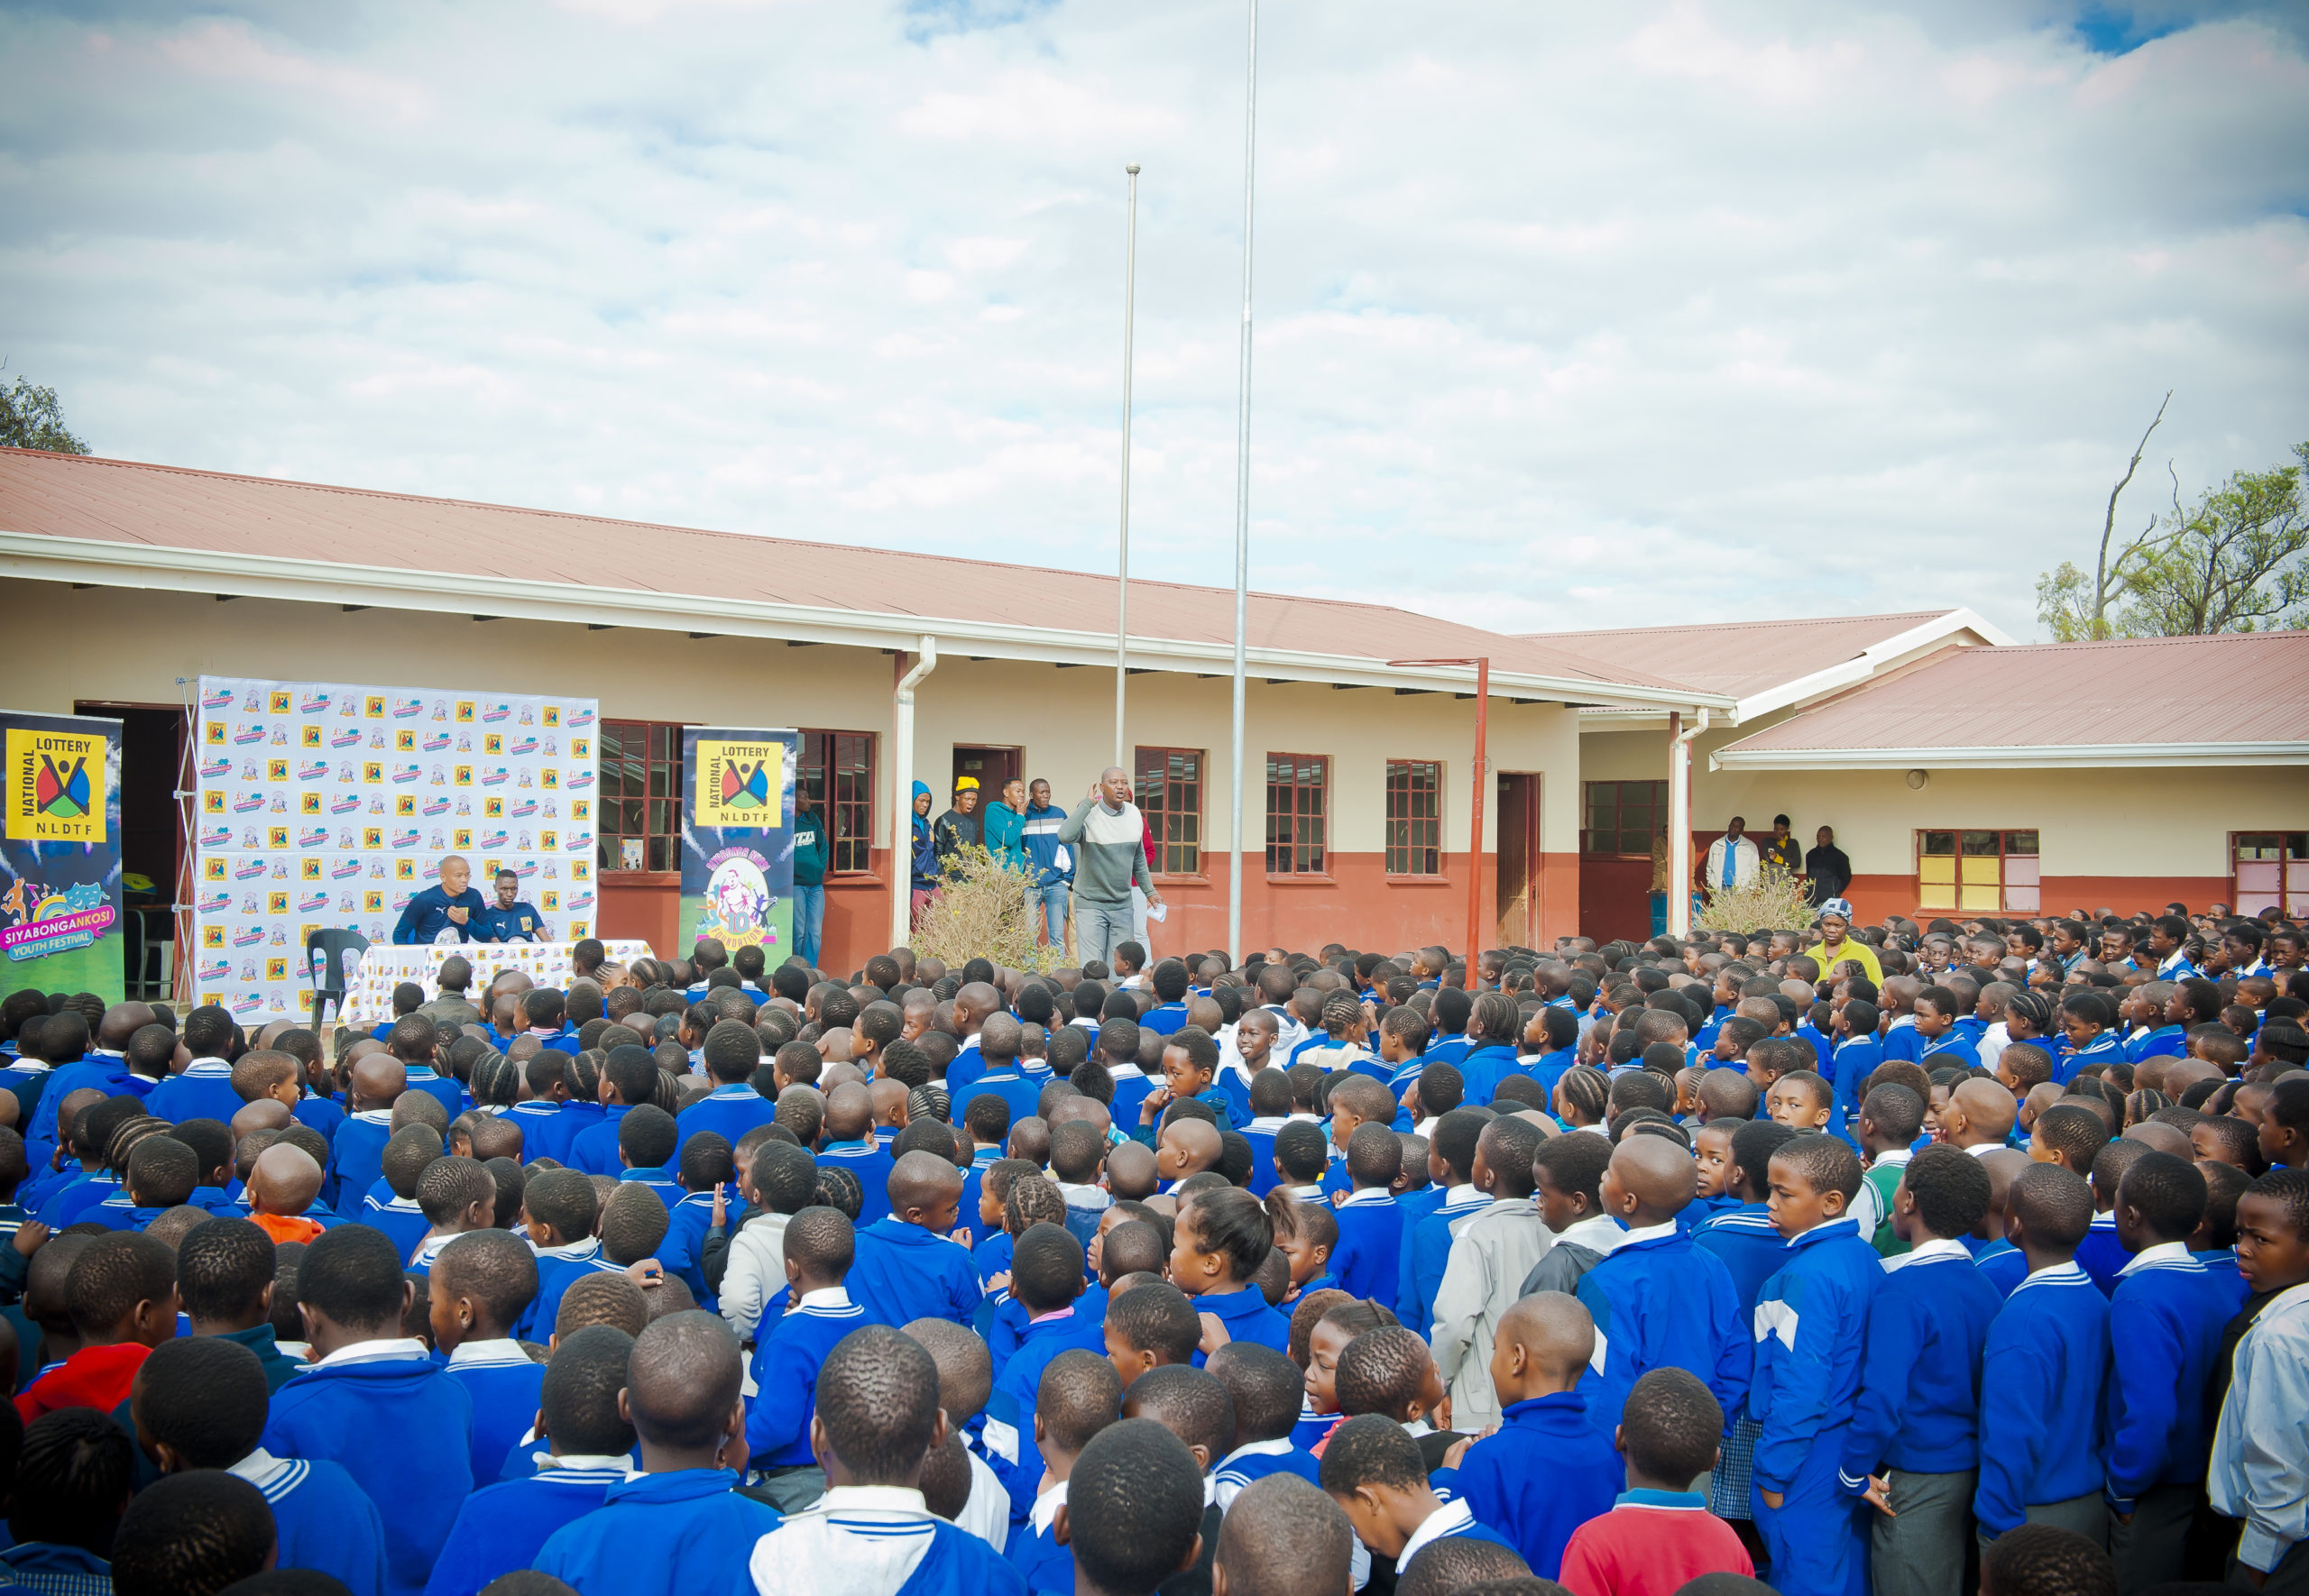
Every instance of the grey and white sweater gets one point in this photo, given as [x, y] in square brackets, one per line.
[1109, 857]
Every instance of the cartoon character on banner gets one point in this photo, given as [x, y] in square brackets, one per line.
[737, 900]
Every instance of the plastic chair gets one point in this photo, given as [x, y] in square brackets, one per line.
[325, 950]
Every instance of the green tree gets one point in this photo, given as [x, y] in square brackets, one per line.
[30, 418]
[2236, 561]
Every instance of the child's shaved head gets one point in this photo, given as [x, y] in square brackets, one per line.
[1554, 1330]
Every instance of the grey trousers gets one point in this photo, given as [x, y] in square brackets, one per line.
[2149, 1551]
[2087, 1516]
[1921, 1551]
[2290, 1577]
[1099, 929]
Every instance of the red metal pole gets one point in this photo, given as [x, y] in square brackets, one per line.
[1475, 823]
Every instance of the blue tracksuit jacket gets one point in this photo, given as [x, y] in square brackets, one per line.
[1744, 1241]
[903, 1272]
[2168, 1313]
[786, 1361]
[1659, 1301]
[505, 1386]
[1368, 1258]
[503, 1527]
[1549, 1468]
[871, 1164]
[662, 1535]
[1920, 1374]
[2041, 1437]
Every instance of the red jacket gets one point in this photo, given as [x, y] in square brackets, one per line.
[95, 1377]
[1653, 1544]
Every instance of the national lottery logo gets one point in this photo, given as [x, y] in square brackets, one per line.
[213, 770]
[312, 901]
[497, 712]
[215, 903]
[248, 804]
[314, 771]
[217, 836]
[350, 738]
[345, 870]
[406, 708]
[251, 733]
[583, 776]
[313, 703]
[494, 778]
[248, 935]
[220, 699]
[214, 969]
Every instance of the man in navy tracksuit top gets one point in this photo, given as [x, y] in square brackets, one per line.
[680, 1526]
[1811, 1321]
[2171, 1312]
[819, 1246]
[1914, 1444]
[907, 1269]
[2040, 1423]
[373, 1401]
[1659, 1301]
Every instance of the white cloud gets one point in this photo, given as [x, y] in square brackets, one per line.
[1677, 309]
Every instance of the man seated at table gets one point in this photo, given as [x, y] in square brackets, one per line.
[451, 905]
[509, 919]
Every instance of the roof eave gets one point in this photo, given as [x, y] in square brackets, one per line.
[2118, 756]
[103, 562]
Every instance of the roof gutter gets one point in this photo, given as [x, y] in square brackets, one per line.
[106, 563]
[2046, 757]
[902, 792]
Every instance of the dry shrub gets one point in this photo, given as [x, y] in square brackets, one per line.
[981, 912]
[1774, 901]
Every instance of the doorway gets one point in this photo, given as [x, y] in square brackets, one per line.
[1518, 800]
[152, 839]
[991, 766]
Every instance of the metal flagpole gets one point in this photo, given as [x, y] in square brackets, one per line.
[1122, 581]
[1243, 490]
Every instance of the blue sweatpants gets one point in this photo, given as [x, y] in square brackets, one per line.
[1812, 1538]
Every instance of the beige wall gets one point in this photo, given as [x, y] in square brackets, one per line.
[143, 640]
[2154, 822]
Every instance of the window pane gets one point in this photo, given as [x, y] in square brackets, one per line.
[2020, 842]
[1982, 842]
[1939, 843]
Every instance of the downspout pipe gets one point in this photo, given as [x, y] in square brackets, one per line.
[1679, 821]
[902, 793]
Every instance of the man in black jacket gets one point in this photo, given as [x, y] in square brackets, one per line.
[1829, 867]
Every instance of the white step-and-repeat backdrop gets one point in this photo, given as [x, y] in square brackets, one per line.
[325, 803]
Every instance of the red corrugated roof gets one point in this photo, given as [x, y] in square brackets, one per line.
[131, 502]
[1741, 658]
[2246, 687]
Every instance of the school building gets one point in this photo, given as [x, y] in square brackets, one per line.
[128, 580]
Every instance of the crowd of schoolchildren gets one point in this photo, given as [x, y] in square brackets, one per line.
[1966, 1256]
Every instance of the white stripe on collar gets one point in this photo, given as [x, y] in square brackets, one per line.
[1937, 1248]
[501, 1353]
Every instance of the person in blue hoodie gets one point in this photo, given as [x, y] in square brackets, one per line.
[1547, 1468]
[924, 855]
[820, 1244]
[1811, 1324]
[2172, 1311]
[483, 1281]
[450, 905]
[2048, 1355]
[502, 1526]
[374, 1402]
[1659, 1301]
[680, 1526]
[199, 1402]
[1913, 1448]
[907, 1267]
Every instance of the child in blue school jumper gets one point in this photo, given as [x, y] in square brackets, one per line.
[819, 1246]
[632, 1229]
[547, 1126]
[878, 1415]
[2086, 1018]
[732, 1055]
[2170, 1312]
[2103, 1253]
[482, 1283]
[1368, 1256]
[502, 1526]
[1427, 1240]
[1217, 1242]
[1657, 1300]
[851, 1144]
[1811, 1324]
[629, 1079]
[1551, 1040]
[1078, 1394]
[1550, 1467]
[559, 1216]
[375, 1402]
[706, 1178]
[1267, 1390]
[1913, 1446]
[680, 1526]
[199, 1402]
[2041, 1459]
[1190, 1065]
[907, 1267]
[1937, 1011]
[1271, 1110]
[1374, 1470]
[1854, 1057]
[1046, 1283]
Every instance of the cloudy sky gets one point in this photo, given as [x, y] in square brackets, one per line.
[1567, 315]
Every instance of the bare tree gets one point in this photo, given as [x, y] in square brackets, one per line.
[2069, 609]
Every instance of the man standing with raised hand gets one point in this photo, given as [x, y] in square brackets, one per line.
[1105, 832]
